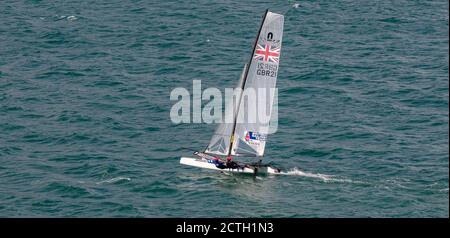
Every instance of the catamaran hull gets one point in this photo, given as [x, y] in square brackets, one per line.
[205, 164]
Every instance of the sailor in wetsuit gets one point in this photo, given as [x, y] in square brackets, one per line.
[219, 163]
[231, 164]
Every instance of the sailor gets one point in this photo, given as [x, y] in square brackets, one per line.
[229, 158]
[219, 163]
[231, 164]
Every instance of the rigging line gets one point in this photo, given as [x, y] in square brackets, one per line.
[187, 148]
[221, 134]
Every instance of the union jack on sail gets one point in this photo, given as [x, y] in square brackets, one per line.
[267, 53]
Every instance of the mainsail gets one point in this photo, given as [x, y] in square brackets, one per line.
[247, 135]
[220, 141]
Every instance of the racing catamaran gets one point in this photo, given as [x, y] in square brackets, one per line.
[248, 138]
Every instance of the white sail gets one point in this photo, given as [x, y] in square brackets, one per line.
[251, 129]
[220, 141]
[248, 133]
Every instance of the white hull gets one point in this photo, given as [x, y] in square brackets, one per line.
[203, 163]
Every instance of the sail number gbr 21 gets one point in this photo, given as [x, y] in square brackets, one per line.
[265, 69]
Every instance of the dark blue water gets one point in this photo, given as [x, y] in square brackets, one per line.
[84, 109]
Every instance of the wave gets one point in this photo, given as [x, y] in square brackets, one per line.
[62, 17]
[323, 177]
[113, 180]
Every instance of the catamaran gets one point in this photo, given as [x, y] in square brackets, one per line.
[248, 138]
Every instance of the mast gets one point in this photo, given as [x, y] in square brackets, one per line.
[243, 83]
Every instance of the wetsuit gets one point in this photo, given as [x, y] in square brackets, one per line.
[220, 164]
[232, 165]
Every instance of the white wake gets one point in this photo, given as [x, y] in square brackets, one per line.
[113, 180]
[323, 177]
